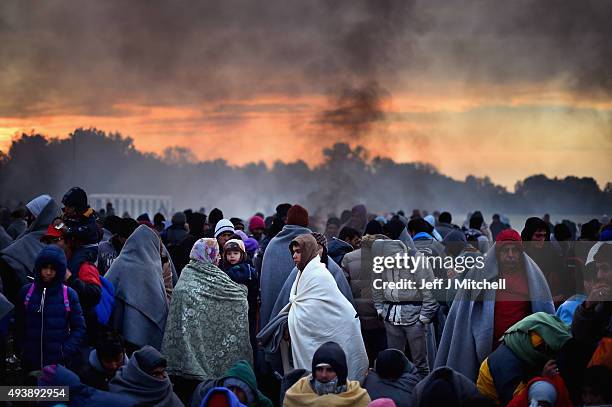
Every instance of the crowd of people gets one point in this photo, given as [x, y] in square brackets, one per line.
[209, 310]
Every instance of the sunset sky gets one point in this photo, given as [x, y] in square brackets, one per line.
[483, 88]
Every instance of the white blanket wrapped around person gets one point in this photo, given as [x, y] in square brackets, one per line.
[319, 313]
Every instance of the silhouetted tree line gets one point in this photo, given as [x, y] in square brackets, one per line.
[109, 163]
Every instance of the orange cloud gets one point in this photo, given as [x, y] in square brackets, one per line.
[460, 135]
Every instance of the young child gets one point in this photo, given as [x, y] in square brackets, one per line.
[104, 360]
[50, 324]
[237, 267]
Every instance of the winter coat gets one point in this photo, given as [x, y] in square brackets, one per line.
[48, 333]
[245, 274]
[413, 305]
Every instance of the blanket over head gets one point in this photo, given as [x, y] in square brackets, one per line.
[208, 324]
[319, 313]
[467, 338]
[141, 308]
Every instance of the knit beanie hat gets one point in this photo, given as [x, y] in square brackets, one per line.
[234, 244]
[298, 216]
[76, 198]
[256, 223]
[224, 225]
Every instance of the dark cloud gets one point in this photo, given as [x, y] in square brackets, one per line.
[84, 58]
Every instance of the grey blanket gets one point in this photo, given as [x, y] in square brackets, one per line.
[276, 267]
[132, 381]
[141, 308]
[21, 254]
[270, 336]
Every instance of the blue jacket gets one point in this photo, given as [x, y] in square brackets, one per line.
[46, 332]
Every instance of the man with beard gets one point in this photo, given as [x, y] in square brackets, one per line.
[478, 318]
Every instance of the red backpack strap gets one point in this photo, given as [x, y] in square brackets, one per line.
[28, 295]
[66, 301]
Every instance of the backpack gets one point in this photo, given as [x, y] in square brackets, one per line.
[105, 307]
[64, 292]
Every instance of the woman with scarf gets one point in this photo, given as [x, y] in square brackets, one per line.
[208, 325]
[528, 350]
[319, 313]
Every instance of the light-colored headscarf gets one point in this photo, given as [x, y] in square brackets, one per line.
[206, 250]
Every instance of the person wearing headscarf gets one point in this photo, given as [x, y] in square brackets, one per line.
[319, 313]
[528, 350]
[239, 379]
[141, 306]
[393, 377]
[208, 325]
[144, 379]
[483, 315]
[329, 384]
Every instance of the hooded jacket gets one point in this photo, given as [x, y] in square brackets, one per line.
[46, 332]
